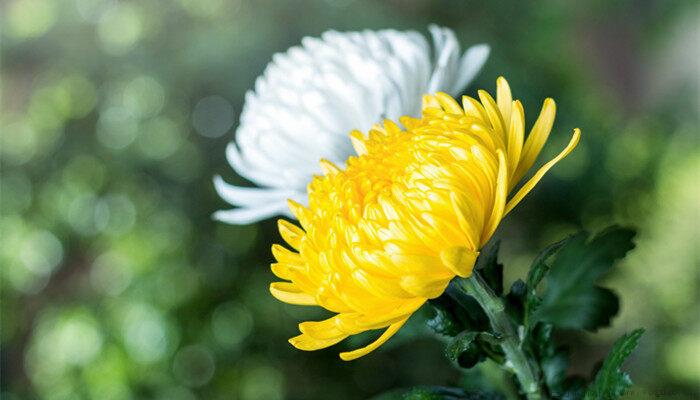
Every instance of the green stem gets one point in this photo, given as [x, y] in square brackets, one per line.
[502, 325]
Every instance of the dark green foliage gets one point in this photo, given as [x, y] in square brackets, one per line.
[571, 298]
[455, 312]
[446, 320]
[464, 349]
[574, 388]
[538, 270]
[469, 348]
[610, 382]
[553, 359]
[444, 393]
[515, 300]
[490, 269]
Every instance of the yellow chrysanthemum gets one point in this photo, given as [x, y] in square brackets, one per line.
[407, 215]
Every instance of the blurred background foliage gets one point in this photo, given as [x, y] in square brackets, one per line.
[116, 283]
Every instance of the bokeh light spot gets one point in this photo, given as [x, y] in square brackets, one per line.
[143, 96]
[16, 193]
[111, 273]
[19, 143]
[262, 382]
[116, 128]
[120, 28]
[30, 18]
[212, 116]
[145, 333]
[159, 138]
[194, 365]
[41, 252]
[231, 323]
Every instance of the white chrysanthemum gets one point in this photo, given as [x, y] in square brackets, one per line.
[310, 98]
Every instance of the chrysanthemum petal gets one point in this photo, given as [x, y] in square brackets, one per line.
[504, 99]
[428, 287]
[448, 103]
[328, 168]
[358, 142]
[494, 115]
[291, 233]
[284, 255]
[355, 354]
[308, 343]
[459, 260]
[541, 172]
[470, 64]
[430, 101]
[537, 138]
[290, 293]
[245, 215]
[516, 133]
[500, 200]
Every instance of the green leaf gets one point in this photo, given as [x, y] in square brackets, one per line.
[447, 393]
[470, 348]
[465, 350]
[455, 311]
[553, 359]
[537, 272]
[574, 388]
[490, 269]
[445, 322]
[539, 268]
[610, 382]
[571, 299]
[515, 301]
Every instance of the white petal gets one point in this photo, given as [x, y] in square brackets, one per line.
[470, 65]
[240, 216]
[245, 196]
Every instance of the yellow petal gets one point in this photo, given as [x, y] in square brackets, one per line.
[499, 201]
[473, 108]
[282, 271]
[328, 168]
[459, 260]
[540, 173]
[379, 286]
[430, 101]
[494, 114]
[300, 212]
[537, 138]
[284, 255]
[291, 233]
[516, 134]
[308, 343]
[391, 127]
[504, 98]
[326, 329]
[424, 286]
[448, 103]
[290, 293]
[358, 142]
[393, 328]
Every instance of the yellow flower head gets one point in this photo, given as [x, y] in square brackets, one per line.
[407, 215]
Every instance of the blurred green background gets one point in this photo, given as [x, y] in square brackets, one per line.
[116, 283]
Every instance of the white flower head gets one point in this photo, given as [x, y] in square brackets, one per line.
[311, 97]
